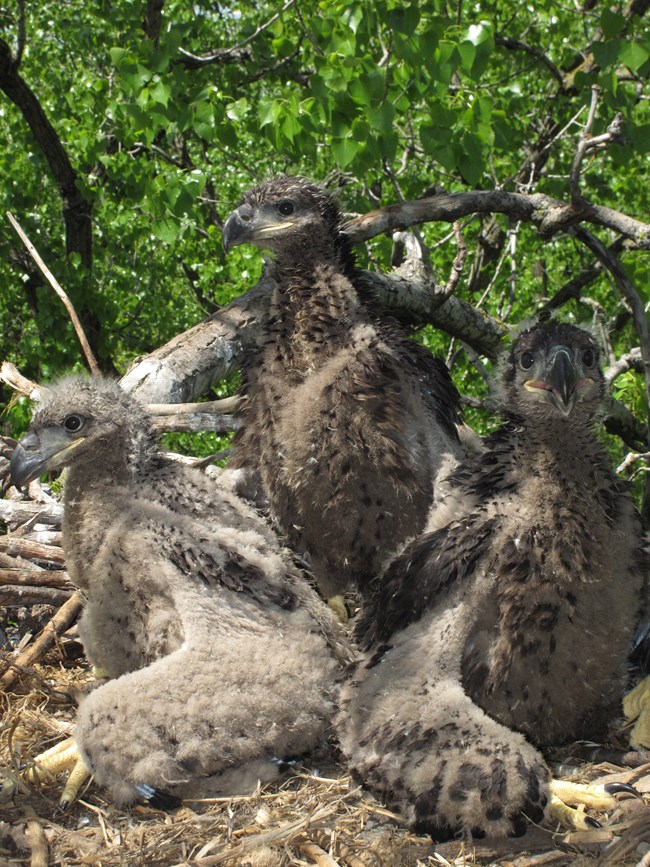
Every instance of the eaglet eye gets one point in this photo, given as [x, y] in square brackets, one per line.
[527, 360]
[588, 358]
[73, 423]
[286, 207]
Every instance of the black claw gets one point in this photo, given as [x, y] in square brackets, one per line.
[63, 805]
[617, 788]
[593, 823]
[157, 798]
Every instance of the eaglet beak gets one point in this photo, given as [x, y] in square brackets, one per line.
[248, 226]
[38, 452]
[559, 380]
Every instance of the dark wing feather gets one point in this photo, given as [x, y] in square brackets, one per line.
[439, 391]
[213, 564]
[414, 582]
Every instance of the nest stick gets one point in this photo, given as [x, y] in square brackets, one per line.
[63, 618]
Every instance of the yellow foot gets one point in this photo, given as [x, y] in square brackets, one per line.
[62, 757]
[636, 706]
[337, 604]
[598, 797]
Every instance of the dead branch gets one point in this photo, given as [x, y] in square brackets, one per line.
[214, 416]
[57, 580]
[458, 263]
[236, 53]
[31, 550]
[15, 512]
[547, 214]
[584, 145]
[12, 596]
[632, 360]
[61, 621]
[72, 313]
[10, 375]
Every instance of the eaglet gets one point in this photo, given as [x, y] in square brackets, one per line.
[504, 628]
[347, 419]
[223, 660]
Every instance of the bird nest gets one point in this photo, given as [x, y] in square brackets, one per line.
[314, 815]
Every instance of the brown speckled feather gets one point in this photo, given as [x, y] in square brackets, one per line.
[505, 628]
[222, 658]
[347, 419]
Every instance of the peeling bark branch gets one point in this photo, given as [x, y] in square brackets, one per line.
[630, 361]
[547, 214]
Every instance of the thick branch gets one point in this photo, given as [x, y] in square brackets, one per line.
[547, 214]
[76, 210]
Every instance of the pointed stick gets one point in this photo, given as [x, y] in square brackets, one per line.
[51, 279]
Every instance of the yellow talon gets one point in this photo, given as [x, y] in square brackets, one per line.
[564, 795]
[636, 706]
[64, 756]
[337, 604]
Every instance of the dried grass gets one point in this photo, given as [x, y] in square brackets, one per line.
[311, 817]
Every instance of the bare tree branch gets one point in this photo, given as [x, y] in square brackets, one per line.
[547, 214]
[632, 360]
[234, 54]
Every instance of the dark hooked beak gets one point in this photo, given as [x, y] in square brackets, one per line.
[238, 227]
[248, 225]
[562, 376]
[38, 452]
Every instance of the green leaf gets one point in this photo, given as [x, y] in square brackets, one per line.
[117, 55]
[382, 117]
[404, 19]
[634, 54]
[269, 111]
[160, 92]
[238, 109]
[607, 53]
[611, 22]
[471, 162]
[166, 230]
[344, 151]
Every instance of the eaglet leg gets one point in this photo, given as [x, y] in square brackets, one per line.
[213, 717]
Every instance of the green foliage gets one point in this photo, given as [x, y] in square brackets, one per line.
[393, 97]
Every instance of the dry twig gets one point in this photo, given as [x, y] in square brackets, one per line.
[51, 279]
[61, 621]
